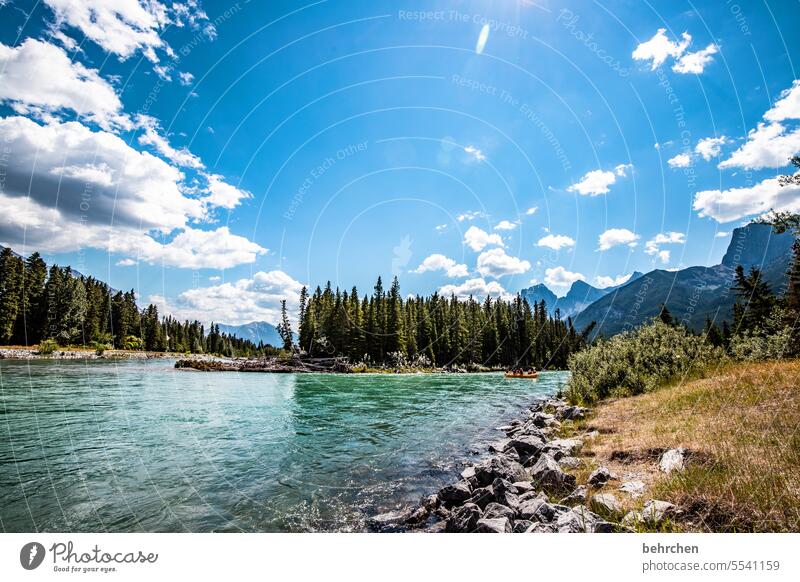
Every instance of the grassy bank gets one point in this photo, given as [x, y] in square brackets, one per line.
[741, 428]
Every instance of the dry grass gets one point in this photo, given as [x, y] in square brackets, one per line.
[742, 428]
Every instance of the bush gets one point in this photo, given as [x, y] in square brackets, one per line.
[100, 347]
[132, 343]
[637, 361]
[750, 347]
[47, 347]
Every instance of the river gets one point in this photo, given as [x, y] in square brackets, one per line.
[138, 446]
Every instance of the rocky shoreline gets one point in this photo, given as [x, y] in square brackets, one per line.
[300, 365]
[73, 354]
[526, 486]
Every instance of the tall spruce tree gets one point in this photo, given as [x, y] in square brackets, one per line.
[284, 328]
[10, 292]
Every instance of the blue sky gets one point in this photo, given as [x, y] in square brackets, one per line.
[216, 157]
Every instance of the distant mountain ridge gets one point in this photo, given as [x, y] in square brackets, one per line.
[694, 293]
[255, 331]
[578, 298]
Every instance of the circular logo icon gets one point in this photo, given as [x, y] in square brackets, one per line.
[31, 555]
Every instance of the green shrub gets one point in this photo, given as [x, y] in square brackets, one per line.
[132, 343]
[47, 347]
[750, 347]
[99, 347]
[637, 361]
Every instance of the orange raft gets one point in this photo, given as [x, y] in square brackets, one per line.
[526, 375]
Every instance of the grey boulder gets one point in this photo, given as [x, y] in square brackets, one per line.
[606, 502]
[562, 447]
[489, 470]
[494, 525]
[548, 475]
[464, 519]
[600, 477]
[571, 413]
[580, 520]
[578, 496]
[672, 460]
[496, 510]
[537, 510]
[455, 494]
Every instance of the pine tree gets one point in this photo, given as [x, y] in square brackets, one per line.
[284, 328]
[302, 328]
[10, 292]
[755, 302]
[395, 332]
[713, 334]
[665, 316]
[30, 319]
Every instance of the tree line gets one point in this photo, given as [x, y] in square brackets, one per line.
[385, 329]
[38, 304]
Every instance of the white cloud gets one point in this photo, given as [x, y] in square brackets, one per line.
[483, 36]
[470, 215]
[659, 48]
[556, 241]
[496, 263]
[151, 136]
[737, 203]
[695, 62]
[163, 72]
[614, 237]
[767, 146]
[73, 188]
[477, 288]
[621, 170]
[185, 78]
[39, 79]
[44, 228]
[126, 263]
[126, 27]
[653, 246]
[190, 249]
[475, 153]
[506, 225]
[60, 85]
[215, 278]
[70, 160]
[478, 239]
[255, 299]
[597, 182]
[222, 194]
[440, 227]
[680, 161]
[531, 210]
[438, 262]
[710, 147]
[603, 281]
[771, 145]
[560, 278]
[721, 234]
[787, 106]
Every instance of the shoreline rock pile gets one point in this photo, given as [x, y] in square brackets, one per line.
[513, 489]
[74, 354]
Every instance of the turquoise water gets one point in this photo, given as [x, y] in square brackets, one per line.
[139, 446]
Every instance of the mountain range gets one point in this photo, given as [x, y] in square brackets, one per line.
[255, 331]
[694, 293]
[580, 296]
